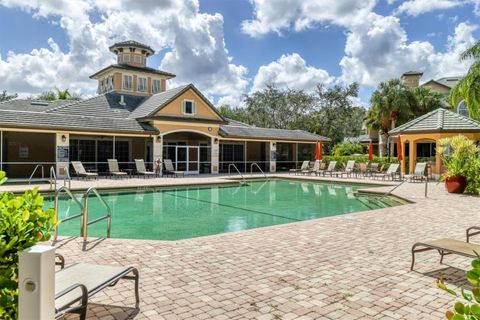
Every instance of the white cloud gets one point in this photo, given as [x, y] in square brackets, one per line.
[417, 7]
[193, 41]
[290, 71]
[379, 50]
[283, 15]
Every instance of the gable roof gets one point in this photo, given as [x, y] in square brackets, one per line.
[32, 105]
[447, 82]
[158, 101]
[234, 131]
[439, 120]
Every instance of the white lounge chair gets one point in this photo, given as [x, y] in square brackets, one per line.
[141, 170]
[75, 284]
[169, 169]
[390, 173]
[114, 170]
[81, 172]
[302, 168]
[348, 168]
[314, 169]
[419, 172]
[331, 168]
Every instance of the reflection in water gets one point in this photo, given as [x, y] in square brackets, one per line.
[181, 213]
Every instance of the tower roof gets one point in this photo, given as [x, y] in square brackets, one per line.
[131, 43]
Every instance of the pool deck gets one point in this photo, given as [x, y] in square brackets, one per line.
[354, 266]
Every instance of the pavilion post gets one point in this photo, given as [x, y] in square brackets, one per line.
[1, 150]
[113, 147]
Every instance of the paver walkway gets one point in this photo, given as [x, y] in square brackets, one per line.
[353, 266]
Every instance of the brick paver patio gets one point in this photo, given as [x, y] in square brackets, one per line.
[353, 266]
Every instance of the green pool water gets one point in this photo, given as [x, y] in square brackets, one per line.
[187, 212]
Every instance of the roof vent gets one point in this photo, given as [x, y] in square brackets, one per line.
[38, 103]
[122, 100]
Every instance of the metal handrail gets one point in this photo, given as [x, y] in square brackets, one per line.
[55, 206]
[386, 194]
[53, 179]
[85, 222]
[241, 175]
[35, 170]
[256, 164]
[68, 178]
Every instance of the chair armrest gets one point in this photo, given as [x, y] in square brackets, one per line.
[61, 260]
[472, 231]
[83, 304]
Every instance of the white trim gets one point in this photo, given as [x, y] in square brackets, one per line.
[123, 82]
[138, 84]
[187, 130]
[194, 107]
[82, 133]
[124, 55]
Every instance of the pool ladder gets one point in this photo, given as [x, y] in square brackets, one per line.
[83, 211]
[243, 182]
[256, 165]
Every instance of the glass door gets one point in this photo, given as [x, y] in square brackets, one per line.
[193, 160]
[182, 158]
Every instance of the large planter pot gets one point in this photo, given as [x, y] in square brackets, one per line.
[456, 184]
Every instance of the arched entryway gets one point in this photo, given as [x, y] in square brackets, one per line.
[190, 151]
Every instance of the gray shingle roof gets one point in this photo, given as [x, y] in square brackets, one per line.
[408, 73]
[439, 120]
[360, 138]
[104, 105]
[46, 120]
[32, 105]
[132, 43]
[449, 81]
[134, 68]
[230, 131]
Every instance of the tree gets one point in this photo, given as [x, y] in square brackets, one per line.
[63, 94]
[468, 88]
[4, 96]
[335, 114]
[391, 104]
[425, 101]
[47, 96]
[58, 95]
[238, 114]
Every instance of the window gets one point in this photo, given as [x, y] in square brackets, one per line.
[142, 84]
[138, 59]
[127, 82]
[110, 83]
[188, 107]
[462, 109]
[156, 86]
[126, 57]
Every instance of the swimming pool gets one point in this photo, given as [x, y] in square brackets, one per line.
[186, 212]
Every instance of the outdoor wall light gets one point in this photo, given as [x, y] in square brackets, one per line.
[159, 139]
[273, 144]
[64, 138]
[209, 128]
[215, 141]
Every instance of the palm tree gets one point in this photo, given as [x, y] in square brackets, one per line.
[391, 104]
[63, 94]
[426, 100]
[468, 88]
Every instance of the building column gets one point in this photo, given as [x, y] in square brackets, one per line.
[273, 156]
[62, 153]
[1, 150]
[215, 154]
[157, 151]
[438, 160]
[412, 157]
[402, 162]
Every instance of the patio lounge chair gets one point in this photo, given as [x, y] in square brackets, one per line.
[81, 172]
[419, 172]
[141, 170]
[75, 284]
[390, 173]
[169, 169]
[362, 169]
[348, 169]
[314, 169]
[114, 170]
[321, 168]
[445, 247]
[302, 168]
[331, 168]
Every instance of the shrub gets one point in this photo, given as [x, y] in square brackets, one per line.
[23, 223]
[342, 160]
[346, 149]
[470, 307]
[461, 157]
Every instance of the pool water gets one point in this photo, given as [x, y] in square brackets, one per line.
[187, 212]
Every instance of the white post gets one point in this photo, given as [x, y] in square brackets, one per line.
[215, 154]
[273, 156]
[158, 151]
[113, 146]
[62, 153]
[36, 283]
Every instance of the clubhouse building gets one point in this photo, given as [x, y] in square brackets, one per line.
[135, 116]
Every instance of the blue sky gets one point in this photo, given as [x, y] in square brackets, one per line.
[231, 47]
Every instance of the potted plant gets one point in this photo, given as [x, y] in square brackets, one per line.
[459, 156]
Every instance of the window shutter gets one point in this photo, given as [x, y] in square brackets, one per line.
[194, 107]
[183, 107]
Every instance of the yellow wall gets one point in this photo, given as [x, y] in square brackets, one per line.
[413, 139]
[166, 127]
[203, 110]
[437, 88]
